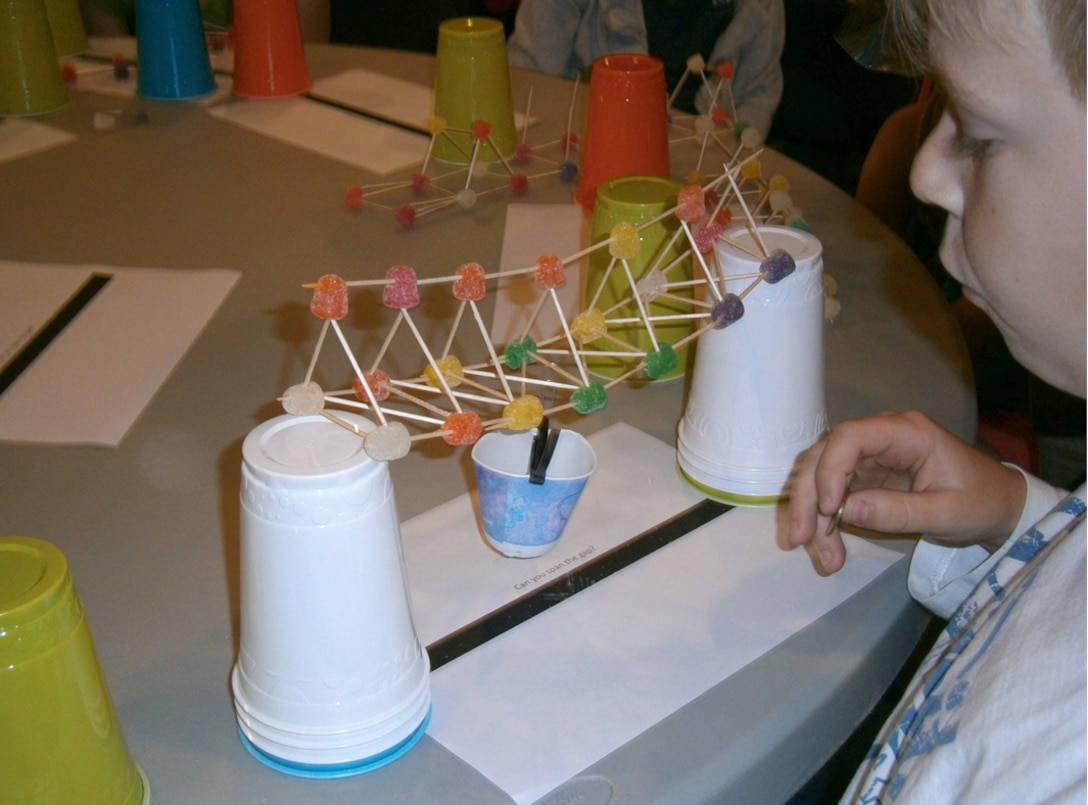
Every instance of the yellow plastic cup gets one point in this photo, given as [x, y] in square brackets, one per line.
[69, 35]
[472, 84]
[638, 200]
[30, 80]
[59, 741]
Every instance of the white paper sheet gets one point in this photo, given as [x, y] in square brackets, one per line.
[533, 230]
[20, 137]
[536, 705]
[373, 146]
[118, 351]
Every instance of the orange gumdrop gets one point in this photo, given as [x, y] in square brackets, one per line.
[471, 284]
[463, 427]
[726, 70]
[690, 203]
[550, 272]
[330, 300]
[377, 381]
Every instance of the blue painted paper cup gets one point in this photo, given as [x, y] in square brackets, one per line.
[522, 519]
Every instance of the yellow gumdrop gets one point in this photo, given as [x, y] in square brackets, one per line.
[451, 370]
[695, 177]
[624, 243]
[436, 125]
[589, 325]
[779, 182]
[524, 413]
[751, 170]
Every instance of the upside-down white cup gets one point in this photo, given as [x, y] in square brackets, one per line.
[331, 679]
[757, 390]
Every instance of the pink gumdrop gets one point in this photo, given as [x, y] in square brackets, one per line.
[549, 272]
[519, 184]
[568, 139]
[378, 383]
[330, 299]
[401, 291]
[706, 236]
[421, 183]
[463, 427]
[405, 215]
[353, 196]
[481, 130]
[726, 70]
[471, 284]
[690, 203]
[523, 153]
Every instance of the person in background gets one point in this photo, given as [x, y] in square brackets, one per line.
[996, 712]
[565, 37]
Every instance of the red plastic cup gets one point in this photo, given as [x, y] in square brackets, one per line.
[626, 123]
[269, 61]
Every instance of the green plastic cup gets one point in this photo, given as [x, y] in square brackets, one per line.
[30, 80]
[60, 741]
[69, 35]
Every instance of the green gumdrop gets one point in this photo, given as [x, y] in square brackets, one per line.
[589, 398]
[517, 353]
[800, 223]
[661, 361]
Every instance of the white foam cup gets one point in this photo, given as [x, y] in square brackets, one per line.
[757, 391]
[331, 679]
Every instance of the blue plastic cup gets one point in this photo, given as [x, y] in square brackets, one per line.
[172, 55]
[522, 519]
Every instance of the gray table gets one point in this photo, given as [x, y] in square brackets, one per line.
[151, 528]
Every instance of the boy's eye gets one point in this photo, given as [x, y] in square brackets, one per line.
[971, 147]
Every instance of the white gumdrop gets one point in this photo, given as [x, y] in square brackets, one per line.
[703, 124]
[779, 200]
[388, 442]
[696, 63]
[104, 121]
[751, 138]
[303, 398]
[651, 285]
[466, 198]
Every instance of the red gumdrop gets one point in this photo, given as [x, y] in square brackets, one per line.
[726, 70]
[691, 203]
[523, 153]
[724, 216]
[519, 184]
[378, 383]
[353, 196]
[719, 116]
[68, 74]
[481, 130]
[463, 427]
[405, 215]
[401, 291]
[549, 272]
[421, 183]
[330, 299]
[568, 139]
[706, 236]
[471, 283]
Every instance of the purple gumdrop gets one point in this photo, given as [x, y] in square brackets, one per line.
[568, 171]
[777, 266]
[727, 311]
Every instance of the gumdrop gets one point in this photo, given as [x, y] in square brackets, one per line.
[589, 325]
[726, 70]
[550, 272]
[707, 236]
[720, 116]
[724, 216]
[523, 413]
[68, 74]
[462, 427]
[831, 285]
[623, 243]
[739, 127]
[523, 153]
[699, 178]
[651, 285]
[750, 137]
[377, 381]
[777, 266]
[798, 222]
[779, 182]
[703, 125]
[517, 353]
[452, 372]
[121, 70]
[589, 399]
[519, 184]
[696, 63]
[353, 196]
[481, 130]
[779, 201]
[727, 311]
[661, 361]
[303, 398]
[388, 442]
[330, 299]
[471, 283]
[690, 203]
[405, 215]
[421, 183]
[751, 170]
[568, 171]
[401, 289]
[466, 198]
[568, 139]
[436, 125]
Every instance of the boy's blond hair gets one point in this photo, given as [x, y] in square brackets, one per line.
[1062, 20]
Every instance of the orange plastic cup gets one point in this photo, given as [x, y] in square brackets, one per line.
[626, 123]
[269, 61]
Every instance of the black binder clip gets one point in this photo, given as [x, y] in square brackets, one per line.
[540, 455]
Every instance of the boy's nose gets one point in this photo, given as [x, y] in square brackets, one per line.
[934, 175]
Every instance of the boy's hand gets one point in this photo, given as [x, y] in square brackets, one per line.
[905, 474]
